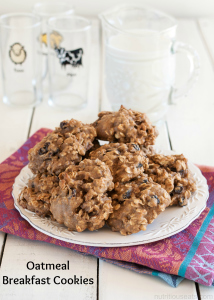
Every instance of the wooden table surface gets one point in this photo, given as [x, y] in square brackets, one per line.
[188, 129]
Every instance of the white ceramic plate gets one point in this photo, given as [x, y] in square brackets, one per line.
[168, 223]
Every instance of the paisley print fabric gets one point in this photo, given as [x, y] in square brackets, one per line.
[188, 254]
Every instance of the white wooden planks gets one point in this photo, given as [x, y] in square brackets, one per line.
[191, 121]
[14, 126]
[19, 251]
[189, 125]
[119, 283]
[206, 292]
[85, 266]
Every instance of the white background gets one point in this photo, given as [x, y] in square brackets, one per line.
[178, 8]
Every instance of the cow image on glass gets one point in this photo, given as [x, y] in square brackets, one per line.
[69, 62]
[21, 59]
[46, 11]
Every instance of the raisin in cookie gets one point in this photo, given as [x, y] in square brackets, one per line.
[136, 204]
[36, 196]
[184, 188]
[80, 201]
[172, 173]
[64, 146]
[176, 163]
[125, 161]
[125, 126]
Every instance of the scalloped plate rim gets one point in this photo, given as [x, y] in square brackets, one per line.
[28, 216]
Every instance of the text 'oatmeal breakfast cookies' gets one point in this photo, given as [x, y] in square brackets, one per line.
[123, 183]
[64, 146]
[125, 126]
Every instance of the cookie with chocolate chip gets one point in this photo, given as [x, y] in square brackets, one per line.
[65, 146]
[184, 188]
[136, 204]
[37, 194]
[125, 126]
[80, 201]
[172, 173]
[126, 161]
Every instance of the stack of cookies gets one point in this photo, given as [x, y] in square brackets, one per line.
[123, 183]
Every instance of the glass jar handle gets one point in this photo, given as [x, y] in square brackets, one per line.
[194, 60]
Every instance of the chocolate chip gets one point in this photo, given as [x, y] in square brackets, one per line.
[138, 122]
[77, 209]
[120, 201]
[139, 165]
[92, 214]
[145, 180]
[63, 125]
[32, 185]
[178, 189]
[71, 193]
[56, 152]
[181, 172]
[156, 197]
[127, 194]
[136, 147]
[44, 149]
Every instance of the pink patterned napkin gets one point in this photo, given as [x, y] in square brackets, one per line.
[188, 254]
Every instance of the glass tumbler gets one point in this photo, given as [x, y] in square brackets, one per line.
[69, 61]
[45, 11]
[21, 59]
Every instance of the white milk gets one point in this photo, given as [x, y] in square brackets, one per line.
[139, 72]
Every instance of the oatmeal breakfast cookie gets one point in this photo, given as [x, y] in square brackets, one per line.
[36, 195]
[136, 204]
[172, 173]
[80, 201]
[147, 151]
[63, 147]
[95, 146]
[125, 161]
[184, 188]
[125, 126]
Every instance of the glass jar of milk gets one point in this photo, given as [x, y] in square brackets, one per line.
[139, 56]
